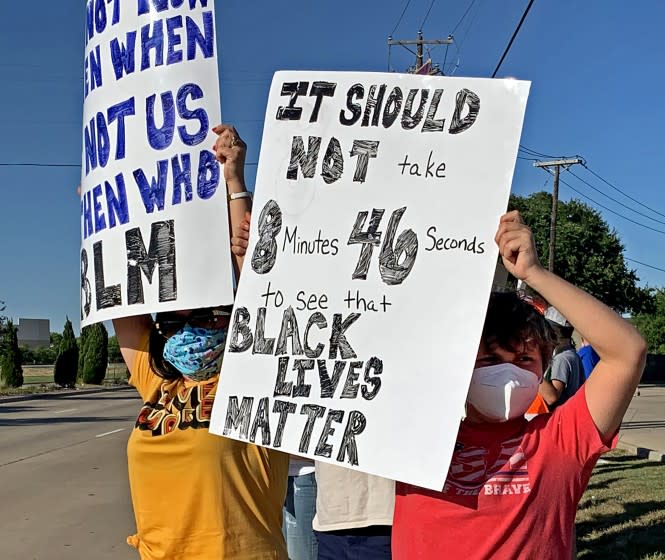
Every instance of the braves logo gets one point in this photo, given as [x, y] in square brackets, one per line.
[469, 469]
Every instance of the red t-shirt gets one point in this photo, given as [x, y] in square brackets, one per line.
[511, 492]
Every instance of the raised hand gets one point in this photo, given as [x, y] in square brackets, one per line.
[230, 150]
[517, 246]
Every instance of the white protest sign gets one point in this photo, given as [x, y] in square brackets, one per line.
[154, 224]
[370, 264]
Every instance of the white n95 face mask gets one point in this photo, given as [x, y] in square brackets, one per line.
[503, 391]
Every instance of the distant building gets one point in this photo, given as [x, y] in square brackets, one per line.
[34, 333]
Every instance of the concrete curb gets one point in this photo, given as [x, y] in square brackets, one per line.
[64, 393]
[642, 452]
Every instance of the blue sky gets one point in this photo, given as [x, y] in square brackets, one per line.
[596, 68]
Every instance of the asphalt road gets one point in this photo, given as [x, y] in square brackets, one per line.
[63, 477]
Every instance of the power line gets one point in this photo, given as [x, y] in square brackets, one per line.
[645, 264]
[605, 207]
[609, 209]
[463, 16]
[427, 14]
[625, 218]
[537, 153]
[622, 192]
[614, 199]
[510, 43]
[31, 164]
[473, 14]
[400, 17]
[465, 34]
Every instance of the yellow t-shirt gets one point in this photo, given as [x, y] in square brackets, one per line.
[198, 496]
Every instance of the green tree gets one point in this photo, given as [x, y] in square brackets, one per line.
[11, 373]
[81, 344]
[95, 354]
[3, 323]
[27, 355]
[66, 364]
[115, 356]
[45, 356]
[587, 253]
[652, 325]
[55, 338]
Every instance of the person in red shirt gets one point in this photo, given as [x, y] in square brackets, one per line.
[513, 486]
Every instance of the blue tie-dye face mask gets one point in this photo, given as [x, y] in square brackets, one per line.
[195, 352]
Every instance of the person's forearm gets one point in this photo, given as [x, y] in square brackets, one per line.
[621, 349]
[548, 392]
[237, 209]
[613, 338]
[131, 332]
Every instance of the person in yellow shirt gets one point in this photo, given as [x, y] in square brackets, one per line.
[197, 496]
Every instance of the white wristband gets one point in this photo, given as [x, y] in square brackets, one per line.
[237, 195]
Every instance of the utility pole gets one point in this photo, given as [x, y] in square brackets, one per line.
[419, 43]
[557, 164]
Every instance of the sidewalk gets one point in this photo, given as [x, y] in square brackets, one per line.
[85, 390]
[643, 428]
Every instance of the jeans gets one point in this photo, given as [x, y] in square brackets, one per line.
[299, 509]
[365, 543]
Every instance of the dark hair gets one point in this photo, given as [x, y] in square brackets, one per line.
[562, 332]
[511, 321]
[158, 364]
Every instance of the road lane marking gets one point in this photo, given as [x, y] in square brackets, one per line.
[64, 411]
[109, 433]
